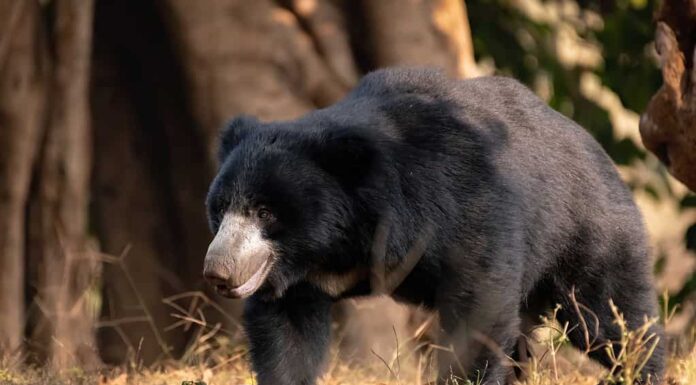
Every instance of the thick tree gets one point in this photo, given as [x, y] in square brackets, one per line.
[45, 169]
[23, 81]
[109, 119]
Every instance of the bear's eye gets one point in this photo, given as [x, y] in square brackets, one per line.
[264, 213]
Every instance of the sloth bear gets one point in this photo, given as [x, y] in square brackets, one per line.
[471, 198]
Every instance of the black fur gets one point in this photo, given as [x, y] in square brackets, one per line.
[514, 204]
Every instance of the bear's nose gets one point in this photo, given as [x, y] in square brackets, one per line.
[217, 276]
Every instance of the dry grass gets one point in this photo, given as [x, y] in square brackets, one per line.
[555, 363]
[572, 371]
[216, 357]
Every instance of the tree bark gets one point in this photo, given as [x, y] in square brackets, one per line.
[327, 27]
[433, 33]
[67, 270]
[668, 126]
[22, 84]
[149, 181]
[247, 58]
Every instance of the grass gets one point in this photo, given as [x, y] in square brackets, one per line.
[216, 357]
[570, 369]
[554, 362]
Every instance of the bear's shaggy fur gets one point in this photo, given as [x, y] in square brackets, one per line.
[472, 198]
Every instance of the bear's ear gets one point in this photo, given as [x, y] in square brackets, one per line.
[233, 133]
[348, 154]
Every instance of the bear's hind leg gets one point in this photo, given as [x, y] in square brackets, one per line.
[635, 301]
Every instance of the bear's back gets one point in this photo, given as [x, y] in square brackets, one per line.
[528, 140]
[563, 182]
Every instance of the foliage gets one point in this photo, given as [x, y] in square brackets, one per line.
[553, 46]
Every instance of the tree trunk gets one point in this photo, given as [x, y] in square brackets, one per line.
[22, 84]
[66, 269]
[432, 33]
[149, 182]
[252, 59]
[668, 126]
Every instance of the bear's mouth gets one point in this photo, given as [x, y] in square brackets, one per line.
[250, 286]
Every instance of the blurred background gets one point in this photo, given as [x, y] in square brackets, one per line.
[109, 118]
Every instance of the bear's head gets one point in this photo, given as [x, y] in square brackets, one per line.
[284, 203]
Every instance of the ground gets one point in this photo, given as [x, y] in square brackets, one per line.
[559, 365]
[681, 371]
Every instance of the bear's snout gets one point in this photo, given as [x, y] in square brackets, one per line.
[216, 274]
[238, 259]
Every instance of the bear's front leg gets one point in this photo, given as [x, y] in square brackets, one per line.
[288, 336]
